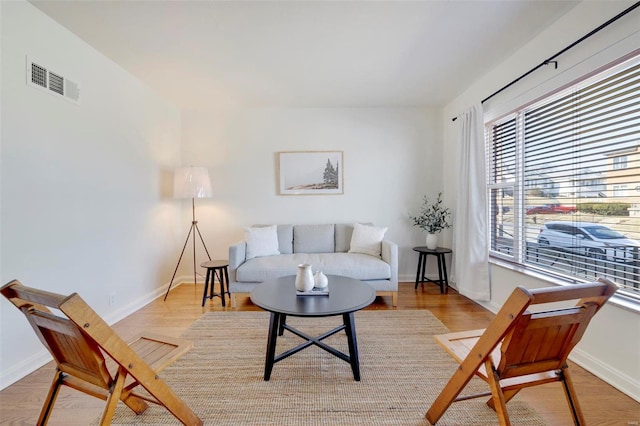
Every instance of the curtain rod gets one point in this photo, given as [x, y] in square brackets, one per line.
[551, 59]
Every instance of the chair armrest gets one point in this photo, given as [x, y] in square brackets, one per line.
[389, 253]
[237, 256]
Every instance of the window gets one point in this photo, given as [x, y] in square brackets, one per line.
[620, 162]
[560, 177]
[619, 190]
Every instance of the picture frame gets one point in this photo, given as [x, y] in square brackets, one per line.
[311, 172]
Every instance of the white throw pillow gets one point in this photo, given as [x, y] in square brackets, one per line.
[261, 241]
[367, 239]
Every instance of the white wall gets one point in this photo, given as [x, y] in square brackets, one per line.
[391, 159]
[84, 206]
[611, 346]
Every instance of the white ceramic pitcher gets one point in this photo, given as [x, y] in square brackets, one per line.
[304, 278]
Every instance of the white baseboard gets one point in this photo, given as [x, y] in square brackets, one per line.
[135, 305]
[26, 367]
[411, 278]
[406, 278]
[624, 383]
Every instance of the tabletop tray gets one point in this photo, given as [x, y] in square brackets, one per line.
[314, 292]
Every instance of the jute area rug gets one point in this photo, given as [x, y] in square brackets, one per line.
[402, 368]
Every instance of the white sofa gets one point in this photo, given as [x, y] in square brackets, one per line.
[324, 246]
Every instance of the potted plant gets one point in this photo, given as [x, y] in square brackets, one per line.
[433, 218]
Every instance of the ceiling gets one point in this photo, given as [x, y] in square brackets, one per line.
[209, 54]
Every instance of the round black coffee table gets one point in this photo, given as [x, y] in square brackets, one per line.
[279, 297]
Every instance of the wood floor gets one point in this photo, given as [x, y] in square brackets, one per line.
[601, 403]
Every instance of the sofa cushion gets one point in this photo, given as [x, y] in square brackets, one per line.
[366, 239]
[285, 239]
[261, 241]
[358, 266]
[313, 238]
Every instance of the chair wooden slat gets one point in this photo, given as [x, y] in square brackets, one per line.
[584, 291]
[32, 295]
[521, 349]
[73, 353]
[157, 353]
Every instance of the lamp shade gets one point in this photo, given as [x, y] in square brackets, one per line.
[191, 182]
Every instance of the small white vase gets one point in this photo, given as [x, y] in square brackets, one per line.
[304, 278]
[320, 280]
[432, 241]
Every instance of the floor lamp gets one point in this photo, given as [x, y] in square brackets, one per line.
[191, 182]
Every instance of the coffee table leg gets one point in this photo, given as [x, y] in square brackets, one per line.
[350, 330]
[271, 344]
[281, 324]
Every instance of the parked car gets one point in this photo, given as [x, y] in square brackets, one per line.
[559, 208]
[589, 239]
[551, 209]
[544, 209]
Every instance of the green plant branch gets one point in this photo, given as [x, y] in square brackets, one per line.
[433, 217]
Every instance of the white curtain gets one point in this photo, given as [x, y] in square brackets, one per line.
[470, 242]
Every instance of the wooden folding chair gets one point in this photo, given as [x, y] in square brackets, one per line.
[79, 343]
[521, 349]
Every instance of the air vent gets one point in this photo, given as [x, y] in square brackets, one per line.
[71, 90]
[38, 75]
[42, 78]
[56, 83]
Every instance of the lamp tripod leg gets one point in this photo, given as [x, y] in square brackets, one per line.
[180, 259]
[201, 239]
[194, 224]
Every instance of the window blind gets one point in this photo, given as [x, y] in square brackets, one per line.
[564, 181]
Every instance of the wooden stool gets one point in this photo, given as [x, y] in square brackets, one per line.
[439, 252]
[220, 269]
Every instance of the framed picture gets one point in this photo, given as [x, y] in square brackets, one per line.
[311, 172]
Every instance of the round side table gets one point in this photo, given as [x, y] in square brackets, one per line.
[216, 268]
[439, 253]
